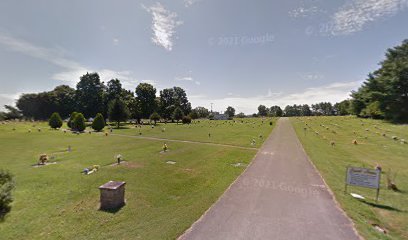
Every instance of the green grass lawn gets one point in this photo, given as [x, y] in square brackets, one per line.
[239, 132]
[373, 148]
[163, 200]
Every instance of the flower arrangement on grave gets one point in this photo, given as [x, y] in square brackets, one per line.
[43, 159]
[90, 170]
[165, 148]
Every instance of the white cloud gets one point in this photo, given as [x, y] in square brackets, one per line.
[149, 81]
[356, 14]
[334, 92]
[188, 3]
[163, 25]
[273, 94]
[72, 70]
[302, 12]
[187, 78]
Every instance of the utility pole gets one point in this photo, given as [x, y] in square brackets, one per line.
[211, 107]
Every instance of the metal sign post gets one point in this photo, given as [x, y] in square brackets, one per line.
[363, 177]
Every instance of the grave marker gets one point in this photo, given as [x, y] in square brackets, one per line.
[112, 195]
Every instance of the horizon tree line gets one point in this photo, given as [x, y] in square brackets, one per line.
[92, 96]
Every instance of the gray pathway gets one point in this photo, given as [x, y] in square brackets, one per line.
[279, 196]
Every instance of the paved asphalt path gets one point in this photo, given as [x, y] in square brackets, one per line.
[279, 196]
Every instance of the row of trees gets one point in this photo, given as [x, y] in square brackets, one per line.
[274, 111]
[92, 96]
[318, 109]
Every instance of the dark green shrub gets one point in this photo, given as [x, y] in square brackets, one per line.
[98, 123]
[186, 120]
[79, 123]
[71, 119]
[6, 186]
[55, 121]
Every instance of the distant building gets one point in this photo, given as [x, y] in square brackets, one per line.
[220, 116]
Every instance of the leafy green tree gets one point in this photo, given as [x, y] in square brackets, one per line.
[89, 94]
[135, 110]
[146, 97]
[240, 115]
[178, 114]
[12, 113]
[98, 123]
[113, 90]
[31, 105]
[62, 100]
[323, 108]
[373, 110]
[262, 111]
[202, 112]
[305, 110]
[385, 91]
[230, 112]
[193, 114]
[275, 111]
[343, 108]
[167, 103]
[41, 105]
[79, 123]
[6, 187]
[181, 100]
[55, 121]
[291, 111]
[129, 98]
[118, 111]
[155, 117]
[171, 98]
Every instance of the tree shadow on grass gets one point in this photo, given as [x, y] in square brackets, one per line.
[385, 207]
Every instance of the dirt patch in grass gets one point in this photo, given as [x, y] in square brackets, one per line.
[43, 165]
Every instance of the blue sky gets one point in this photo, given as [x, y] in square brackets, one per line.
[226, 52]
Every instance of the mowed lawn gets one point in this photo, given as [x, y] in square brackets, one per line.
[239, 132]
[162, 200]
[373, 148]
